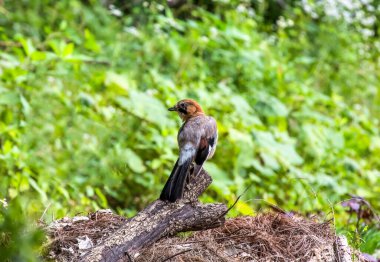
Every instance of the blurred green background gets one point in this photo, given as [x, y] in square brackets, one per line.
[84, 87]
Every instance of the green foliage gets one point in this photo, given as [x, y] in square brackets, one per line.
[371, 241]
[363, 238]
[83, 98]
[18, 241]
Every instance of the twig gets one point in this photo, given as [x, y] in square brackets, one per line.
[92, 61]
[128, 256]
[338, 255]
[217, 238]
[177, 254]
[9, 44]
[43, 214]
[237, 199]
[274, 207]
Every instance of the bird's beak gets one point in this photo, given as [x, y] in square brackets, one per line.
[172, 108]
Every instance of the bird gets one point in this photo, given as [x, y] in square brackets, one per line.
[197, 139]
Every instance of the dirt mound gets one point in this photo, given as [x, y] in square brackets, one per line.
[266, 237]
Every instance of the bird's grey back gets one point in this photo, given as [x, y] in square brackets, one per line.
[196, 128]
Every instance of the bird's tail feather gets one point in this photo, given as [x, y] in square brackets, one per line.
[175, 185]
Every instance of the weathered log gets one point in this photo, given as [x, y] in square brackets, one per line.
[160, 219]
[343, 252]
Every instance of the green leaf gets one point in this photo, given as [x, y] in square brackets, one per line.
[38, 56]
[41, 192]
[28, 46]
[134, 161]
[68, 49]
[221, 181]
[268, 105]
[25, 105]
[145, 107]
[91, 43]
[270, 161]
[9, 98]
[102, 198]
[118, 82]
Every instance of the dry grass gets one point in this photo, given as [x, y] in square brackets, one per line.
[65, 234]
[266, 237]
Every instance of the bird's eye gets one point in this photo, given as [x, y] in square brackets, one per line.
[182, 108]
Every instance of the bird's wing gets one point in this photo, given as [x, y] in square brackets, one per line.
[189, 137]
[208, 141]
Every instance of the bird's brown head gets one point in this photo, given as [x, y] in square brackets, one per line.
[187, 108]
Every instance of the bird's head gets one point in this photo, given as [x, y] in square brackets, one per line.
[187, 108]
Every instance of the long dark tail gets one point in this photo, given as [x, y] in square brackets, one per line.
[175, 185]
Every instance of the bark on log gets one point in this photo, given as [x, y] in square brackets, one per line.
[160, 219]
[343, 252]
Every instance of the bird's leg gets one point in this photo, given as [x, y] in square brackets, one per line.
[190, 175]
